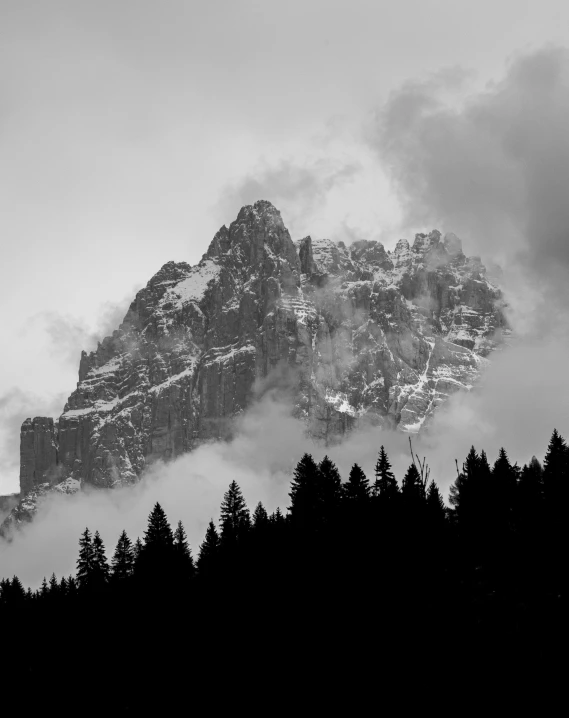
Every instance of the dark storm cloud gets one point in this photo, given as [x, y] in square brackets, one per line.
[495, 169]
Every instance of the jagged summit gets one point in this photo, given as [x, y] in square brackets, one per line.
[367, 335]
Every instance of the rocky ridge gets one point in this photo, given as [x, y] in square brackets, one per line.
[359, 334]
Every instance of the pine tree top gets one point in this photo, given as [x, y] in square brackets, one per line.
[159, 532]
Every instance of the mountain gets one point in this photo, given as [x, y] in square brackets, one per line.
[354, 334]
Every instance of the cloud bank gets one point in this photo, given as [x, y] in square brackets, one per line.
[267, 445]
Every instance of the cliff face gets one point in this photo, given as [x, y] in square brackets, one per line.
[361, 334]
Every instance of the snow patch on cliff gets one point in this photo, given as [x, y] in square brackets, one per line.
[193, 288]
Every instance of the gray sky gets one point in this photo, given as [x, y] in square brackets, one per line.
[130, 131]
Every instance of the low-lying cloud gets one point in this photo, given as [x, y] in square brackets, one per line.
[261, 457]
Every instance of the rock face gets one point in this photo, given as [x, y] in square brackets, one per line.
[360, 334]
[38, 453]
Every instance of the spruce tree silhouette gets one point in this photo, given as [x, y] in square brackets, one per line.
[158, 535]
[411, 487]
[122, 565]
[504, 484]
[305, 494]
[53, 587]
[465, 493]
[4, 589]
[357, 487]
[529, 507]
[100, 575]
[85, 562]
[556, 495]
[154, 562]
[137, 553]
[235, 518]
[184, 566]
[277, 517]
[17, 594]
[556, 470]
[260, 518]
[330, 489]
[385, 485]
[435, 505]
[208, 553]
[43, 591]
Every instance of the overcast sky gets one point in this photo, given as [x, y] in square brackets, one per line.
[131, 130]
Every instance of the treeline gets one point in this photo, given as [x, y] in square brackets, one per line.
[362, 562]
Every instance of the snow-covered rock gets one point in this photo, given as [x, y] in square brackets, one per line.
[365, 336]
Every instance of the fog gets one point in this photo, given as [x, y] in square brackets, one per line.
[261, 457]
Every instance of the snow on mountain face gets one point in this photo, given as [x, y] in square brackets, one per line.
[365, 335]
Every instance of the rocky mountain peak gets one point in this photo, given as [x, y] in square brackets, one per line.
[366, 336]
[257, 231]
[452, 244]
[371, 252]
[424, 242]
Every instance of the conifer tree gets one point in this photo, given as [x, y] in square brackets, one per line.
[155, 561]
[235, 518]
[260, 518]
[53, 586]
[482, 468]
[71, 586]
[85, 562]
[357, 487]
[158, 536]
[43, 590]
[305, 494]
[385, 485]
[435, 504]
[184, 561]
[504, 477]
[530, 492]
[556, 469]
[277, 516]
[100, 563]
[330, 487]
[63, 586]
[209, 550]
[137, 551]
[467, 492]
[122, 564]
[412, 487]
[532, 474]
[4, 590]
[17, 593]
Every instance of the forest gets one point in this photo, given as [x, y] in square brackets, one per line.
[356, 580]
